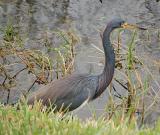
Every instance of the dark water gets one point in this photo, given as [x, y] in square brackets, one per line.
[88, 18]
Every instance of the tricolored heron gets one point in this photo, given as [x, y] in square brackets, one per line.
[74, 90]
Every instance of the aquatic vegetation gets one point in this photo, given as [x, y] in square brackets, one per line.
[33, 121]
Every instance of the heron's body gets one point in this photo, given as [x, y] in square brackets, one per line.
[72, 91]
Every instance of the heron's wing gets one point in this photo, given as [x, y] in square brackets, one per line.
[72, 90]
[79, 92]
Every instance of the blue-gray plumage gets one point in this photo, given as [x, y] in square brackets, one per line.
[72, 91]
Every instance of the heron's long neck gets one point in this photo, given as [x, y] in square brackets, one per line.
[106, 76]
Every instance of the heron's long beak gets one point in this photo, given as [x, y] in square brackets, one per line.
[131, 26]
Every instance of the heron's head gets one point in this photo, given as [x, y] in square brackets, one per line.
[119, 23]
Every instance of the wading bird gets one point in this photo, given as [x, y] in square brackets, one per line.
[72, 91]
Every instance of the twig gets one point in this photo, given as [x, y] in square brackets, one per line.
[8, 96]
[19, 72]
[4, 81]
[121, 84]
[32, 85]
[118, 95]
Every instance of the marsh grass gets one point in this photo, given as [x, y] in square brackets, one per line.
[65, 53]
[27, 121]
